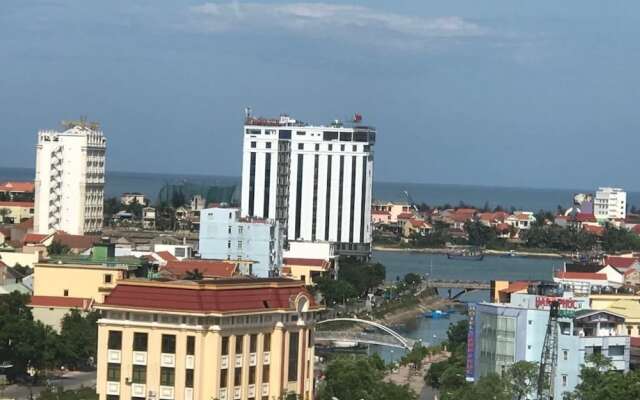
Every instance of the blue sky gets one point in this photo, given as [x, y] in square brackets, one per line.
[492, 92]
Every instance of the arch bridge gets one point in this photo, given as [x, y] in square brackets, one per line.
[389, 338]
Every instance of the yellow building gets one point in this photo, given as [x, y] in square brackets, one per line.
[224, 339]
[623, 304]
[307, 270]
[59, 288]
[14, 212]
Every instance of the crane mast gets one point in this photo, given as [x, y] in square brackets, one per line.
[549, 357]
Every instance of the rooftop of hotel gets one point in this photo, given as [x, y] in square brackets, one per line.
[286, 121]
[210, 296]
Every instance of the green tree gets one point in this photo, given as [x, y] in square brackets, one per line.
[78, 339]
[22, 270]
[61, 394]
[57, 249]
[335, 291]
[412, 279]
[522, 379]
[362, 276]
[479, 234]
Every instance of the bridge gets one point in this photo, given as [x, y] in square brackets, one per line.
[389, 337]
[464, 286]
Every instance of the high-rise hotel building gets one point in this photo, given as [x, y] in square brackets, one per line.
[234, 339]
[70, 177]
[315, 179]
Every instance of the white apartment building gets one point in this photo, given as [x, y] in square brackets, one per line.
[315, 180]
[70, 176]
[610, 204]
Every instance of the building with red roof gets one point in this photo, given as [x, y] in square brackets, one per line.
[622, 263]
[209, 269]
[251, 336]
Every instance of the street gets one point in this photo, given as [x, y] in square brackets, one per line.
[70, 380]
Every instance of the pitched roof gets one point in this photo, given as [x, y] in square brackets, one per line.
[594, 229]
[620, 262]
[208, 268]
[33, 238]
[581, 275]
[23, 204]
[166, 256]
[418, 223]
[307, 262]
[62, 302]
[405, 215]
[584, 217]
[516, 286]
[17, 187]
[242, 295]
[578, 267]
[79, 242]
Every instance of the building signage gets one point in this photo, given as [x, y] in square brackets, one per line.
[543, 302]
[471, 342]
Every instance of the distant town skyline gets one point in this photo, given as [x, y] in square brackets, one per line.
[529, 95]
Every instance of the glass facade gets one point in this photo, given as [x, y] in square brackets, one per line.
[497, 343]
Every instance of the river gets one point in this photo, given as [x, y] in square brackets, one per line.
[438, 266]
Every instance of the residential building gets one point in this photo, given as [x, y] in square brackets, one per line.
[179, 251]
[610, 204]
[14, 212]
[149, 218]
[224, 235]
[11, 281]
[70, 177]
[315, 180]
[521, 219]
[226, 339]
[17, 191]
[391, 209]
[504, 333]
[308, 261]
[416, 227]
[130, 198]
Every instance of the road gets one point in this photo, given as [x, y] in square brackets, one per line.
[70, 380]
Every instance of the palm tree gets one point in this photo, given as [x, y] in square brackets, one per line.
[194, 275]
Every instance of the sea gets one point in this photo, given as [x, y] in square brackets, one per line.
[532, 199]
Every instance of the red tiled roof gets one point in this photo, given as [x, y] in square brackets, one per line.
[503, 227]
[516, 286]
[620, 262]
[584, 217]
[418, 223]
[77, 242]
[380, 212]
[581, 275]
[62, 302]
[203, 298]
[594, 229]
[23, 204]
[33, 238]
[165, 255]
[307, 262]
[17, 187]
[405, 216]
[208, 268]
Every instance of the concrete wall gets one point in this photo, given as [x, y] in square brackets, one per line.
[80, 281]
[25, 259]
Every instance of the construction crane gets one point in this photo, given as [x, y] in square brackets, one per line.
[549, 357]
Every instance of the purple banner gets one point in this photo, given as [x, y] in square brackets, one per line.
[471, 343]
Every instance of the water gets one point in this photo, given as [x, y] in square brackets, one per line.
[433, 194]
[433, 331]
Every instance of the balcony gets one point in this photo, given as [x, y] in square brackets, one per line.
[251, 391]
[252, 359]
[237, 393]
[166, 392]
[190, 362]
[188, 394]
[114, 356]
[224, 362]
[266, 358]
[265, 389]
[222, 394]
[138, 390]
[238, 361]
[140, 358]
[113, 388]
[168, 360]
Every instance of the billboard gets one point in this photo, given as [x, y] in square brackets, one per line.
[470, 370]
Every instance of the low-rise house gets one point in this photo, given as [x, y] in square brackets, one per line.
[11, 281]
[394, 209]
[131, 198]
[179, 251]
[521, 219]
[77, 244]
[380, 217]
[492, 218]
[416, 227]
[149, 218]
[503, 230]
[18, 190]
[622, 263]
[308, 261]
[13, 212]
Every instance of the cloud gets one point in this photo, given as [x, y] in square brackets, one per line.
[350, 22]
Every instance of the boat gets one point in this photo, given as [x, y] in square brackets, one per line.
[511, 253]
[435, 314]
[467, 255]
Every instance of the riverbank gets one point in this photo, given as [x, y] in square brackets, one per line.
[423, 304]
[442, 250]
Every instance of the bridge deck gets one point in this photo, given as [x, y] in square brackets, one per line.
[360, 337]
[475, 285]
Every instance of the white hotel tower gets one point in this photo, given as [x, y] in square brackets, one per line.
[70, 174]
[316, 180]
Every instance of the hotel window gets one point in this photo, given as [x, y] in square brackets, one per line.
[265, 374]
[239, 244]
[191, 345]
[188, 378]
[565, 355]
[268, 145]
[167, 376]
[140, 341]
[115, 340]
[300, 146]
[224, 378]
[267, 342]
[317, 147]
[113, 372]
[253, 145]
[239, 343]
[108, 278]
[237, 377]
[225, 346]
[253, 339]
[252, 375]
[564, 380]
[169, 344]
[139, 374]
[294, 338]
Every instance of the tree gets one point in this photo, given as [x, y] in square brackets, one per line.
[57, 249]
[522, 379]
[194, 275]
[412, 279]
[78, 339]
[335, 291]
[363, 277]
[359, 378]
[61, 394]
[479, 234]
[22, 270]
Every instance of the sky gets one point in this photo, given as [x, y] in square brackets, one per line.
[492, 92]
